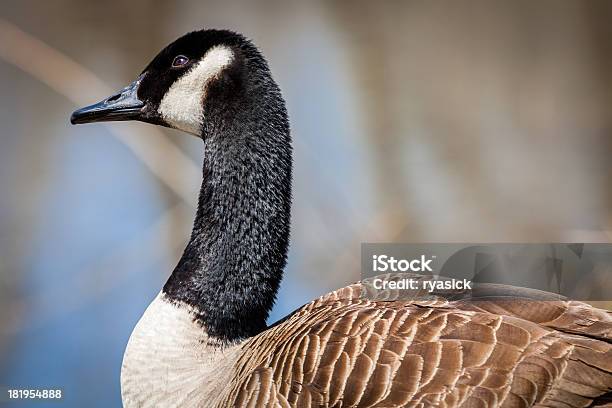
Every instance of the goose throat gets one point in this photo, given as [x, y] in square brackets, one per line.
[232, 266]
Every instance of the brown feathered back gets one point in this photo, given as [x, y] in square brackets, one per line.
[342, 350]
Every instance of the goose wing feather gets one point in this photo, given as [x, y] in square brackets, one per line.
[342, 350]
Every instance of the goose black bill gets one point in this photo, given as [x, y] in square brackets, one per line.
[124, 105]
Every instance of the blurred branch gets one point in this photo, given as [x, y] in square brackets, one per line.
[81, 86]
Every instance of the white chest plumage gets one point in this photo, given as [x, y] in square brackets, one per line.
[169, 361]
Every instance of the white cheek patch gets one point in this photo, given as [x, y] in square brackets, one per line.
[181, 107]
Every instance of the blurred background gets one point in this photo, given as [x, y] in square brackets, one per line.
[452, 121]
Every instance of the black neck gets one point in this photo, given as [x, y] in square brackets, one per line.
[233, 264]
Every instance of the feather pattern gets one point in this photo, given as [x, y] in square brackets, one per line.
[343, 350]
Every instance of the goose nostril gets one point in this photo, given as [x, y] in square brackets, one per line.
[114, 98]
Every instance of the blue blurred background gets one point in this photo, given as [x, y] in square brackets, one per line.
[465, 121]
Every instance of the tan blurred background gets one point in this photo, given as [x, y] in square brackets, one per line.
[465, 121]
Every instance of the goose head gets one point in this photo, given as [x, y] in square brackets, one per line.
[191, 84]
[215, 84]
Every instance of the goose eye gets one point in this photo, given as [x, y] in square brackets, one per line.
[179, 61]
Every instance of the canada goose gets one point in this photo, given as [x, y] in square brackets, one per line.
[204, 342]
